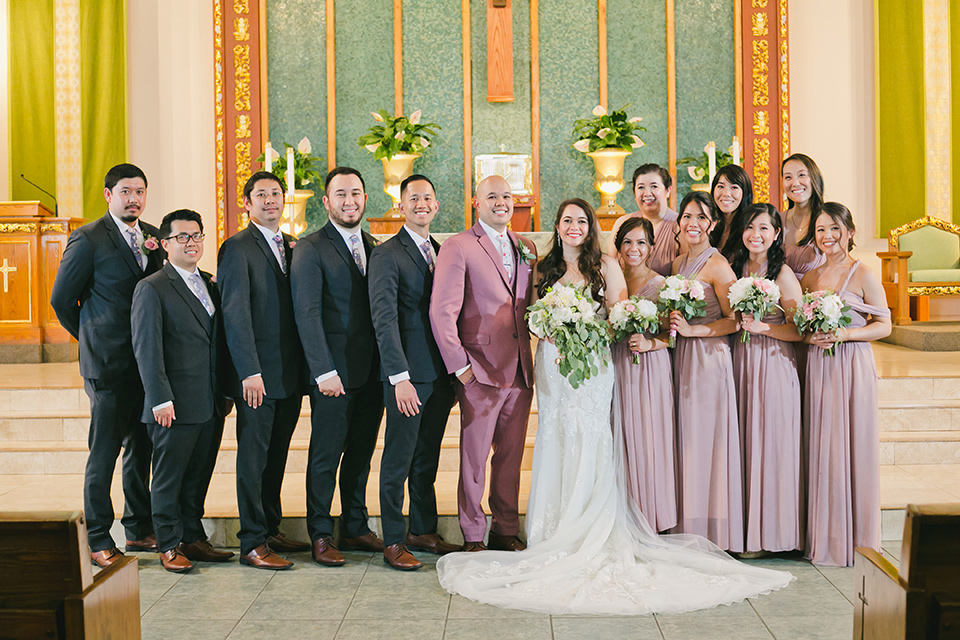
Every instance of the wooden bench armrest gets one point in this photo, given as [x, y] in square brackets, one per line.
[108, 608]
[889, 255]
[875, 558]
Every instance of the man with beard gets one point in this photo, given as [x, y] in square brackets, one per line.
[332, 306]
[101, 265]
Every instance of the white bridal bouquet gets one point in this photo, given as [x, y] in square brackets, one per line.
[568, 316]
[684, 295]
[822, 311]
[634, 315]
[753, 296]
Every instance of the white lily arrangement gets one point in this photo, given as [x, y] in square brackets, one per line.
[607, 131]
[397, 135]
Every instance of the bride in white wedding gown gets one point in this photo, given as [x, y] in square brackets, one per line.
[589, 548]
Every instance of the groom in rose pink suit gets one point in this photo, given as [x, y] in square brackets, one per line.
[481, 290]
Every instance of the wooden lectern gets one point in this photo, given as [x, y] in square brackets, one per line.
[32, 240]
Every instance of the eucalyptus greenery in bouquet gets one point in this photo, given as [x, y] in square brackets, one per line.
[397, 135]
[607, 131]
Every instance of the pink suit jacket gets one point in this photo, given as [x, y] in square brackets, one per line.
[476, 315]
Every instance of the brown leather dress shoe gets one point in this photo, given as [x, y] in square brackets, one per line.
[398, 557]
[106, 557]
[283, 544]
[174, 561]
[432, 543]
[263, 558]
[474, 546]
[366, 542]
[203, 550]
[499, 542]
[147, 544]
[327, 553]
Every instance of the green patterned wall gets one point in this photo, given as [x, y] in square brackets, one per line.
[433, 82]
[706, 95]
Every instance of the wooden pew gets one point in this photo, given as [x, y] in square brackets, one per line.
[47, 586]
[922, 599]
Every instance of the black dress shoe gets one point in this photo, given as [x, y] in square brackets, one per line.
[146, 544]
[499, 542]
[283, 544]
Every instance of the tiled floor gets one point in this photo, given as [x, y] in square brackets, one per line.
[367, 600]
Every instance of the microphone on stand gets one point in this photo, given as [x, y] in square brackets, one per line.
[31, 182]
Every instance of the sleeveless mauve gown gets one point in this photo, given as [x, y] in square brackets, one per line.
[768, 404]
[711, 495]
[842, 425]
[645, 391]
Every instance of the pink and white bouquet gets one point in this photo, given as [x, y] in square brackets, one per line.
[822, 311]
[634, 315]
[753, 296]
[684, 295]
[568, 316]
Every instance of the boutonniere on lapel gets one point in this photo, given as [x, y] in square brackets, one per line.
[148, 244]
[525, 254]
[292, 243]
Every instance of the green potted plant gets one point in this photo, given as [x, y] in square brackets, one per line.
[305, 172]
[608, 138]
[397, 142]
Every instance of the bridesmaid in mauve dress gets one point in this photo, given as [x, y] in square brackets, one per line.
[708, 434]
[803, 185]
[732, 192]
[841, 409]
[768, 394]
[646, 390]
[652, 185]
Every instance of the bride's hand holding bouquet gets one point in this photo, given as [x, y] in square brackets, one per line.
[682, 299]
[566, 316]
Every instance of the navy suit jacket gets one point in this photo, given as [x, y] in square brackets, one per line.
[92, 295]
[333, 308]
[400, 286]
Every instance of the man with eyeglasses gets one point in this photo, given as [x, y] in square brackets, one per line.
[261, 332]
[101, 265]
[177, 336]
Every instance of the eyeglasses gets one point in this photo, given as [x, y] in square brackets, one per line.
[184, 238]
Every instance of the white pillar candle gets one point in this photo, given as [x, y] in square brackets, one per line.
[736, 150]
[290, 174]
[712, 160]
[268, 157]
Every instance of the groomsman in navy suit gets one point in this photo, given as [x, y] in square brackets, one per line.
[254, 268]
[102, 263]
[329, 276]
[177, 335]
[417, 390]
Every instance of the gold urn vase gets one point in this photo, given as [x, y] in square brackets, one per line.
[700, 186]
[294, 217]
[608, 179]
[395, 170]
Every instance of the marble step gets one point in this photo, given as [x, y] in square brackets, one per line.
[919, 447]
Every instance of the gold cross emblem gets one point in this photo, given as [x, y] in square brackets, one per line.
[5, 269]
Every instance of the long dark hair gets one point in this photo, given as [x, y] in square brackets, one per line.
[705, 201]
[816, 187]
[775, 254]
[735, 174]
[841, 215]
[552, 267]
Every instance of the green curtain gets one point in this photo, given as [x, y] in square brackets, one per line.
[900, 142]
[33, 149]
[103, 91]
[955, 104]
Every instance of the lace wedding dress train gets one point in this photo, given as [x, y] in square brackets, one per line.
[589, 548]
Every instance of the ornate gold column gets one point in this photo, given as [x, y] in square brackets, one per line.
[766, 98]
[239, 104]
